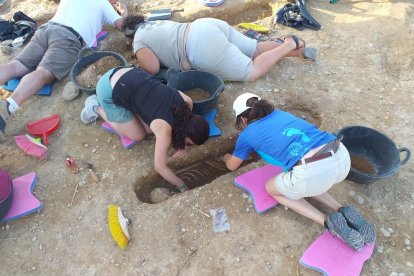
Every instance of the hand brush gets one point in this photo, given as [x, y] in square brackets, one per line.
[31, 146]
[118, 226]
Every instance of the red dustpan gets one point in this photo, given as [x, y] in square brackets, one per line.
[44, 127]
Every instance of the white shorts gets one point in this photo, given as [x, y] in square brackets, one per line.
[216, 47]
[315, 178]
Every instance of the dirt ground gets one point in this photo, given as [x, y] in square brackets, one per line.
[364, 75]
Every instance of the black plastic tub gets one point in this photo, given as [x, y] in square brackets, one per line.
[188, 80]
[86, 57]
[374, 147]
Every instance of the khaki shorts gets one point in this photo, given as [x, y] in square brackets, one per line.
[53, 48]
[315, 178]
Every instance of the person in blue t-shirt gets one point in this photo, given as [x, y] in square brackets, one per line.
[312, 160]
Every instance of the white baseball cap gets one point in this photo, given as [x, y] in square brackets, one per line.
[240, 105]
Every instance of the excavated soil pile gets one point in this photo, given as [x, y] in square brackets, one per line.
[91, 74]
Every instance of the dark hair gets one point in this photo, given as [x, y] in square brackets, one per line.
[131, 22]
[258, 110]
[186, 124]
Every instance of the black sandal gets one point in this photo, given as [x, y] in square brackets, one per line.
[297, 41]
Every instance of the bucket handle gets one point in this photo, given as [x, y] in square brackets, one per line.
[85, 51]
[407, 156]
[218, 91]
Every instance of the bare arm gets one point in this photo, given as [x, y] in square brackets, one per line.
[163, 136]
[123, 11]
[148, 61]
[232, 162]
[187, 99]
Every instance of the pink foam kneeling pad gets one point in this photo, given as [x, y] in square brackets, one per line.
[331, 256]
[24, 202]
[254, 182]
[126, 142]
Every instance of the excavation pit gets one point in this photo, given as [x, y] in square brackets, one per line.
[154, 189]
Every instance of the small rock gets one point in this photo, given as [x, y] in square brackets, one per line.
[245, 196]
[409, 264]
[7, 227]
[33, 268]
[230, 195]
[394, 274]
[276, 90]
[109, 140]
[380, 249]
[114, 147]
[70, 91]
[183, 230]
[407, 241]
[385, 232]
[408, 248]
[242, 248]
[247, 210]
[160, 194]
[40, 246]
[86, 145]
[360, 199]
[80, 217]
[237, 259]
[412, 196]
[292, 77]
[351, 193]
[94, 150]
[390, 230]
[33, 239]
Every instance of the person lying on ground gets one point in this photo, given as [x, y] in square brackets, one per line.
[135, 104]
[54, 48]
[312, 160]
[209, 45]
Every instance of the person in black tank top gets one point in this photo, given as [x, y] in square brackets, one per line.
[135, 104]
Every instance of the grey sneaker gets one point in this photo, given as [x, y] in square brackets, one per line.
[336, 224]
[357, 222]
[88, 114]
[5, 117]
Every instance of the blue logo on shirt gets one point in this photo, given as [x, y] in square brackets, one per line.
[293, 131]
[295, 148]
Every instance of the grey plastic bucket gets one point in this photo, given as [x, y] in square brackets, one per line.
[376, 148]
[188, 80]
[86, 57]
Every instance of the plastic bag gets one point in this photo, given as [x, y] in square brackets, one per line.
[220, 220]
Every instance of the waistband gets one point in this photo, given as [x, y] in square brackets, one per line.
[70, 29]
[326, 151]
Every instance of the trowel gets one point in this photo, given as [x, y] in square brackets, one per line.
[162, 14]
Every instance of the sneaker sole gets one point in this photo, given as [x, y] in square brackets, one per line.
[354, 236]
[357, 222]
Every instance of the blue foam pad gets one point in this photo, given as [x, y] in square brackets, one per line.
[214, 130]
[11, 85]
